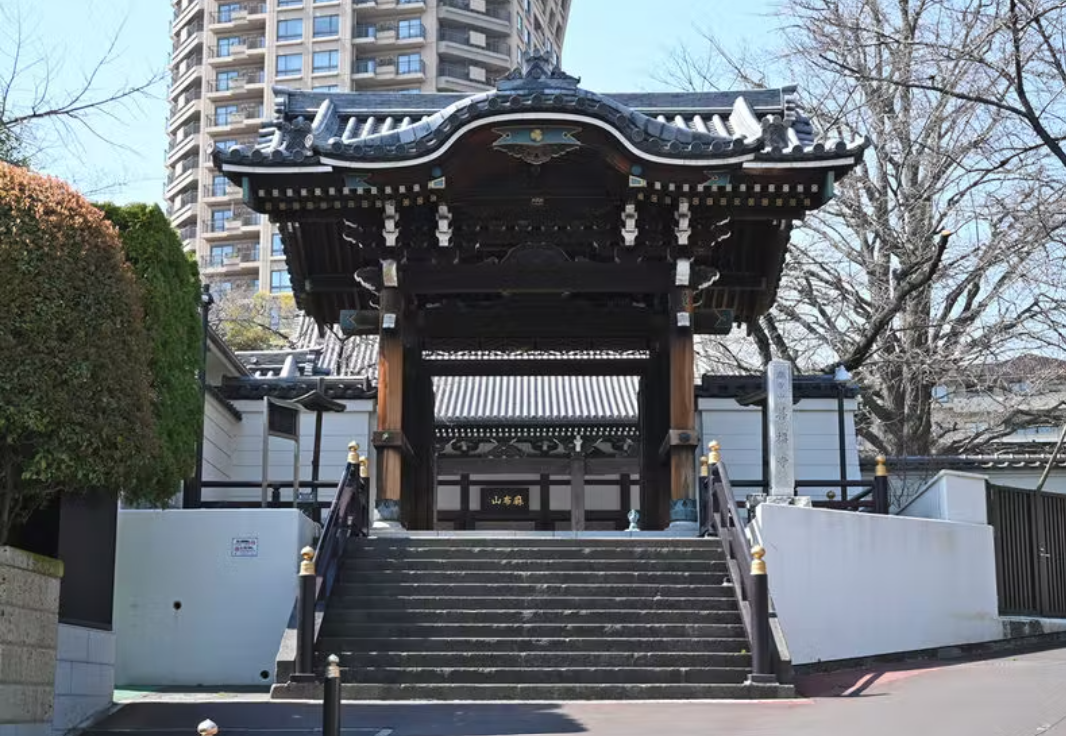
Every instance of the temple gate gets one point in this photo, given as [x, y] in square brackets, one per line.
[559, 231]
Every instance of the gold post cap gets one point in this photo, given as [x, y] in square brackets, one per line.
[364, 467]
[353, 453]
[831, 495]
[715, 451]
[307, 561]
[758, 567]
[882, 468]
[207, 728]
[703, 466]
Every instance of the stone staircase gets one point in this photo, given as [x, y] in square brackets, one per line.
[536, 619]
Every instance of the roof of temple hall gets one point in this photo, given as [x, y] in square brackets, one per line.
[765, 126]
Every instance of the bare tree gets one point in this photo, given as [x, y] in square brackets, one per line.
[248, 319]
[939, 254]
[36, 110]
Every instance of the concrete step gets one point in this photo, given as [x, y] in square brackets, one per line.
[337, 616]
[530, 541]
[465, 692]
[529, 631]
[537, 577]
[353, 660]
[730, 642]
[492, 564]
[545, 675]
[357, 599]
[528, 590]
[711, 552]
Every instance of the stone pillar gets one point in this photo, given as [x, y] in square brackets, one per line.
[389, 439]
[682, 439]
[780, 431]
[29, 594]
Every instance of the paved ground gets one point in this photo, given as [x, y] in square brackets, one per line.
[1012, 696]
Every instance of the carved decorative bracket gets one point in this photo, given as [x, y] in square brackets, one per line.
[444, 226]
[392, 227]
[629, 225]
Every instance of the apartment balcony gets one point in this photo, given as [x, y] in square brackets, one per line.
[249, 47]
[184, 13]
[183, 210]
[186, 44]
[248, 118]
[452, 77]
[249, 82]
[369, 72]
[185, 110]
[365, 9]
[181, 175]
[472, 45]
[187, 234]
[244, 16]
[489, 16]
[390, 34]
[239, 258]
[216, 194]
[183, 142]
[188, 72]
[242, 221]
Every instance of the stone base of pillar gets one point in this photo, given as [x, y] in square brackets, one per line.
[684, 528]
[387, 516]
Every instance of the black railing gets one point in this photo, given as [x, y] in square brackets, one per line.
[348, 514]
[719, 508]
[872, 498]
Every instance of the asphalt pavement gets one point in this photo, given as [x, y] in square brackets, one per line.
[1022, 695]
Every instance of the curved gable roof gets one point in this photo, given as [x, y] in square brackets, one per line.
[366, 128]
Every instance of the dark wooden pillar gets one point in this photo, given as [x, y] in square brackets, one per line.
[654, 426]
[577, 492]
[389, 439]
[418, 423]
[682, 438]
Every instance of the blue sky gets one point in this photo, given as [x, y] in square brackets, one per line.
[613, 45]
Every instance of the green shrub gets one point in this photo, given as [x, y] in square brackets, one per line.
[75, 398]
[170, 286]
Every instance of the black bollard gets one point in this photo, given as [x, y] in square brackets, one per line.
[305, 614]
[331, 698]
[760, 616]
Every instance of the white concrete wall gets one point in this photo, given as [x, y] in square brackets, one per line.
[187, 611]
[29, 615]
[338, 429]
[951, 496]
[84, 676]
[852, 585]
[220, 431]
[738, 430]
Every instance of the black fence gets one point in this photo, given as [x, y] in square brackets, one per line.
[1030, 541]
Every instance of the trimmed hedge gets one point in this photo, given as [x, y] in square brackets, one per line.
[170, 285]
[76, 407]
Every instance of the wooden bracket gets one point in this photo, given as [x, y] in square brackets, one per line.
[678, 438]
[391, 439]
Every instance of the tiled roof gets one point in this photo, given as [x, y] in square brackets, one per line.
[966, 462]
[511, 399]
[755, 125]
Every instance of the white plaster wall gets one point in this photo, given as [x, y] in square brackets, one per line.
[84, 677]
[220, 430]
[951, 496]
[852, 585]
[738, 430]
[233, 609]
[338, 429]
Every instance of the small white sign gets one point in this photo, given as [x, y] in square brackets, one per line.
[245, 547]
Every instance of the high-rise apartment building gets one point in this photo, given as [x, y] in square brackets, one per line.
[227, 56]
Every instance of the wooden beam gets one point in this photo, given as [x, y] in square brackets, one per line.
[537, 367]
[577, 278]
[554, 321]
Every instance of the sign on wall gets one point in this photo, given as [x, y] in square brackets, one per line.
[505, 500]
[245, 547]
